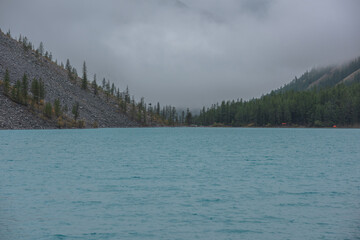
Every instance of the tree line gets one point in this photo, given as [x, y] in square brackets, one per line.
[338, 105]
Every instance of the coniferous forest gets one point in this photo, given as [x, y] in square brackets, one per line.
[322, 97]
[339, 105]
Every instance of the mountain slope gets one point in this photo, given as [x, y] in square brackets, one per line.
[326, 77]
[324, 97]
[93, 108]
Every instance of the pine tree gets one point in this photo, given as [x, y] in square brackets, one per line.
[6, 82]
[84, 78]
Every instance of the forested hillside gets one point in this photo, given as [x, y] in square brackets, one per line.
[320, 98]
[326, 77]
[54, 95]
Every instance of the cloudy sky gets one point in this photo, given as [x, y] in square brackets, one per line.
[191, 52]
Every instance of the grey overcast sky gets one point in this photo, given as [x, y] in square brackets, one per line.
[191, 53]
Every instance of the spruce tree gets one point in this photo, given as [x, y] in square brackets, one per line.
[84, 78]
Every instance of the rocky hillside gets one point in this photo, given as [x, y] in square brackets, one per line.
[326, 77]
[94, 109]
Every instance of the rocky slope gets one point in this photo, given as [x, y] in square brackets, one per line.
[93, 108]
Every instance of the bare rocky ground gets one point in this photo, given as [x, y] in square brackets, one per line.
[93, 108]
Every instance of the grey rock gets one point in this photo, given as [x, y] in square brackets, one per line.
[57, 85]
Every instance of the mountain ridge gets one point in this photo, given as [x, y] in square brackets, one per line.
[326, 76]
[94, 109]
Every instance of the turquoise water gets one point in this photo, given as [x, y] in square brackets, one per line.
[180, 183]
